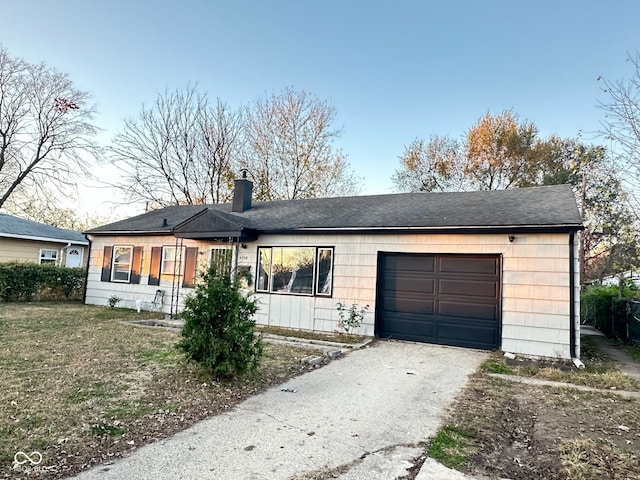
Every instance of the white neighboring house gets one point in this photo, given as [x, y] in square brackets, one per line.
[27, 241]
[628, 275]
[489, 270]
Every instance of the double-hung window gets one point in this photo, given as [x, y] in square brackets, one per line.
[295, 270]
[121, 264]
[48, 256]
[172, 257]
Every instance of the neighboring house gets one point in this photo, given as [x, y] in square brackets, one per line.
[628, 276]
[27, 241]
[489, 270]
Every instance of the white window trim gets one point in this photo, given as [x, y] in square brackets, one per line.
[177, 259]
[55, 259]
[113, 264]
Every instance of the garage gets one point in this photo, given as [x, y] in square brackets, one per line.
[439, 298]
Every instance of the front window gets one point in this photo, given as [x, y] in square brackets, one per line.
[171, 259]
[295, 270]
[121, 266]
[48, 257]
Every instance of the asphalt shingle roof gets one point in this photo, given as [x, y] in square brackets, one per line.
[16, 227]
[527, 207]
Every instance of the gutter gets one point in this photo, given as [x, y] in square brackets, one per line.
[44, 239]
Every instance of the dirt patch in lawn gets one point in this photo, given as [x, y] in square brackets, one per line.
[520, 431]
[80, 386]
[503, 429]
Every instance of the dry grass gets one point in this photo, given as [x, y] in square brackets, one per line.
[599, 372]
[337, 337]
[79, 385]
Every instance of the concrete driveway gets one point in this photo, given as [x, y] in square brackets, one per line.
[366, 412]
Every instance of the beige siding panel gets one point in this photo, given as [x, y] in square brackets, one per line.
[18, 250]
[534, 319]
[535, 273]
[536, 334]
[538, 349]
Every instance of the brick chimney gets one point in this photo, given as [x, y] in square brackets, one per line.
[242, 189]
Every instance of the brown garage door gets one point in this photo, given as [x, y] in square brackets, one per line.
[445, 299]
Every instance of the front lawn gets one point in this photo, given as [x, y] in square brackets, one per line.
[81, 386]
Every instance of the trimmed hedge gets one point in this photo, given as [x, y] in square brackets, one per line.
[30, 281]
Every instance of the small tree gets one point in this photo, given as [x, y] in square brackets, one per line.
[218, 330]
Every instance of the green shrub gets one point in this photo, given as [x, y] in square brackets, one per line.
[29, 281]
[605, 306]
[219, 328]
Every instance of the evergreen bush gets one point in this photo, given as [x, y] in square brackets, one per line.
[218, 332]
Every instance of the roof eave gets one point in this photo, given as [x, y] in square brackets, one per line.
[44, 239]
[556, 228]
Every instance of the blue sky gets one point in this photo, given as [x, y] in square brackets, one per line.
[393, 70]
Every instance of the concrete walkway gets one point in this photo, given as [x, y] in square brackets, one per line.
[366, 414]
[620, 357]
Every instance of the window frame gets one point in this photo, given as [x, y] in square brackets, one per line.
[114, 263]
[317, 288]
[176, 260]
[268, 275]
[49, 260]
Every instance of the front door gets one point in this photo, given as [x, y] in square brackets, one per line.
[74, 257]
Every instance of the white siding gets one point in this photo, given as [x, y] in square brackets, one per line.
[98, 292]
[535, 281]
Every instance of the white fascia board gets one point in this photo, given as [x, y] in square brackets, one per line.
[44, 239]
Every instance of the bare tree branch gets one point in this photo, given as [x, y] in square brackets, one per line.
[45, 127]
[181, 150]
[289, 151]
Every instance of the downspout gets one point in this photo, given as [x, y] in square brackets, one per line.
[572, 303]
[86, 272]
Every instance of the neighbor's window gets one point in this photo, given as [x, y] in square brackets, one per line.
[48, 256]
[121, 265]
[171, 259]
[296, 270]
[220, 259]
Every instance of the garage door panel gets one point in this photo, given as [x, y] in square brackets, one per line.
[408, 283]
[467, 310]
[470, 264]
[457, 303]
[466, 335]
[476, 288]
[407, 325]
[408, 304]
[399, 262]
